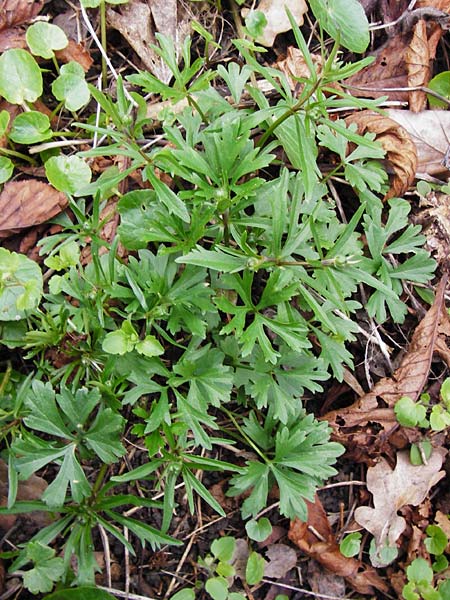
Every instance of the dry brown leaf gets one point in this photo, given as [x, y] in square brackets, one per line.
[294, 66]
[401, 154]
[13, 37]
[281, 559]
[408, 380]
[240, 558]
[429, 132]
[31, 489]
[277, 19]
[77, 53]
[28, 203]
[435, 220]
[393, 489]
[387, 71]
[138, 22]
[316, 539]
[403, 60]
[14, 12]
[418, 66]
[324, 582]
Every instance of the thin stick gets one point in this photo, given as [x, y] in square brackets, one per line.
[126, 595]
[103, 52]
[107, 552]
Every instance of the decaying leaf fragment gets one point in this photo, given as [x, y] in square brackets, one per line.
[377, 406]
[316, 539]
[429, 130]
[418, 66]
[294, 66]
[393, 489]
[14, 12]
[27, 203]
[138, 22]
[277, 19]
[401, 153]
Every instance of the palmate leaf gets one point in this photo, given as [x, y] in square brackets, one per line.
[256, 477]
[210, 381]
[47, 569]
[44, 415]
[282, 385]
[103, 437]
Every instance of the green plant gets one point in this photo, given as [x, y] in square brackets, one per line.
[236, 299]
[421, 583]
[422, 414]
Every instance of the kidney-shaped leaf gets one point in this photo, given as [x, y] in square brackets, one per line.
[20, 76]
[344, 20]
[43, 38]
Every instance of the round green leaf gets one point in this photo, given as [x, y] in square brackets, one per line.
[258, 530]
[254, 571]
[223, 548]
[441, 85]
[70, 86]
[30, 127]
[117, 342]
[344, 20]
[439, 418]
[4, 122]
[408, 412]
[419, 570]
[437, 540]
[20, 77]
[419, 452]
[217, 588]
[20, 285]
[149, 346]
[67, 173]
[445, 392]
[351, 544]
[440, 564]
[6, 168]
[444, 589]
[80, 593]
[43, 38]
[186, 594]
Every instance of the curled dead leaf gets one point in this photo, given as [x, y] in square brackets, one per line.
[401, 154]
[429, 131]
[377, 406]
[294, 66]
[316, 539]
[27, 203]
[77, 53]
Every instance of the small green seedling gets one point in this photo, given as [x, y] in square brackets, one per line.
[420, 414]
[351, 544]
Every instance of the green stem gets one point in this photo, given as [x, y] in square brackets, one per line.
[7, 152]
[245, 436]
[194, 104]
[302, 100]
[100, 478]
[6, 378]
